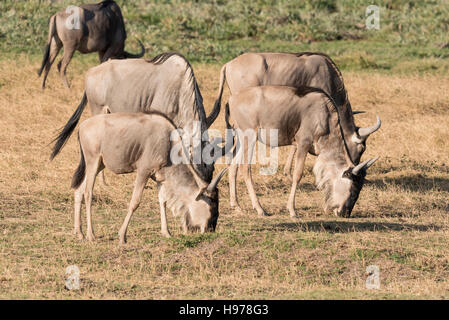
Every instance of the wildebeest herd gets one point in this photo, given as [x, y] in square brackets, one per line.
[137, 105]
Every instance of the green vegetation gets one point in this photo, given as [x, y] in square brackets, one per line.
[411, 38]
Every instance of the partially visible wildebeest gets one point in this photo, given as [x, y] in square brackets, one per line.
[313, 69]
[166, 84]
[307, 118]
[128, 142]
[101, 29]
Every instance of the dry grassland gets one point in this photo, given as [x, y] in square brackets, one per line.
[400, 222]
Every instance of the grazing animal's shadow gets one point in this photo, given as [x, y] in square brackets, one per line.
[415, 182]
[347, 227]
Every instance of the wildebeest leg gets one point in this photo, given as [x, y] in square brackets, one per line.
[297, 174]
[78, 203]
[246, 169]
[232, 176]
[101, 55]
[164, 226]
[105, 110]
[141, 180]
[289, 162]
[69, 50]
[92, 168]
[103, 179]
[110, 52]
[55, 47]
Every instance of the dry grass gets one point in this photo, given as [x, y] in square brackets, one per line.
[400, 222]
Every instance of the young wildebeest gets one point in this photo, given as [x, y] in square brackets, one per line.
[166, 84]
[101, 29]
[128, 142]
[305, 117]
[312, 69]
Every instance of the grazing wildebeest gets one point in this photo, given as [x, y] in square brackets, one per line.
[101, 29]
[305, 117]
[128, 142]
[313, 69]
[166, 84]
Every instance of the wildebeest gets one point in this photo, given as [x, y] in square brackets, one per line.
[305, 117]
[166, 84]
[100, 29]
[128, 142]
[313, 69]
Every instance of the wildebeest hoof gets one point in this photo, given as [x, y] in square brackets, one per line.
[122, 238]
[166, 235]
[238, 211]
[80, 236]
[342, 214]
[264, 214]
[292, 213]
[90, 237]
[122, 241]
[288, 175]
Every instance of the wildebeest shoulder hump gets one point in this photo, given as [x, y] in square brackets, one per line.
[161, 58]
[105, 3]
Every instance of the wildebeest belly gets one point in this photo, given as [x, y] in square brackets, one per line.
[274, 137]
[119, 155]
[278, 123]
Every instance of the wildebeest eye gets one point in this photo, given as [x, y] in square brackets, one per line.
[347, 174]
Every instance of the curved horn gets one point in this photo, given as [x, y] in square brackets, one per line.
[358, 112]
[365, 132]
[136, 56]
[364, 165]
[211, 187]
[199, 181]
[371, 162]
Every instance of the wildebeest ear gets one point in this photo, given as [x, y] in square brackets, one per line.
[200, 193]
[106, 110]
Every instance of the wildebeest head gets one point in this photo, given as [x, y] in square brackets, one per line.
[203, 210]
[195, 200]
[341, 187]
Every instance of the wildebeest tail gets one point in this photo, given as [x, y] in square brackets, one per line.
[217, 106]
[80, 172]
[230, 134]
[228, 125]
[51, 32]
[135, 56]
[65, 133]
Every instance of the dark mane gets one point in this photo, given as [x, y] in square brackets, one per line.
[304, 90]
[161, 58]
[308, 53]
[158, 113]
[105, 3]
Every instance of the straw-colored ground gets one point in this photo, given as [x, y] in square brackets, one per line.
[400, 222]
